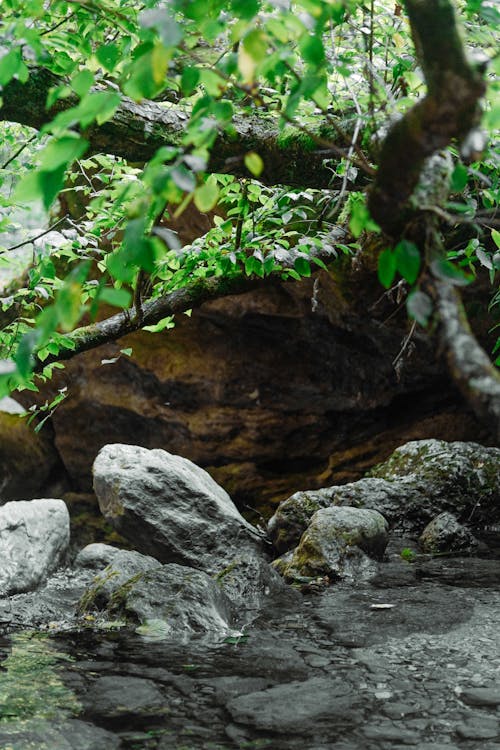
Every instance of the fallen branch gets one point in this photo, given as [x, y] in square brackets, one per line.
[137, 131]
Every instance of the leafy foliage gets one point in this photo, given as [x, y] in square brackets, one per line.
[331, 73]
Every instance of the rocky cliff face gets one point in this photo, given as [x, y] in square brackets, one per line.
[285, 388]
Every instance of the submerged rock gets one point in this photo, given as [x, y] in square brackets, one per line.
[170, 508]
[42, 734]
[339, 543]
[34, 539]
[445, 534]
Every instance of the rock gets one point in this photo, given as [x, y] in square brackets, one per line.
[463, 478]
[27, 458]
[34, 539]
[478, 727]
[252, 585]
[460, 571]
[165, 599]
[295, 706]
[338, 543]
[420, 480]
[42, 734]
[117, 696]
[445, 534]
[96, 556]
[480, 696]
[170, 508]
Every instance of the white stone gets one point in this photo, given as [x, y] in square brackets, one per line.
[34, 539]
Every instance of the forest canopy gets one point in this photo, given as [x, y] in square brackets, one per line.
[310, 133]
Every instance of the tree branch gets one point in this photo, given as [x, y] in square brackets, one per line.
[471, 368]
[449, 111]
[189, 297]
[136, 131]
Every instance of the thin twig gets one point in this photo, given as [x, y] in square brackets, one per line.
[33, 239]
[19, 151]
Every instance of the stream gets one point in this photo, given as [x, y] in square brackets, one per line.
[411, 659]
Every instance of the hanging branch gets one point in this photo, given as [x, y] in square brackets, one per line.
[449, 111]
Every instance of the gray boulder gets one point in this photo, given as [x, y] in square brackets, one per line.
[445, 534]
[339, 543]
[34, 540]
[164, 599]
[420, 480]
[170, 508]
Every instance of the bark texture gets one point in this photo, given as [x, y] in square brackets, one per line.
[450, 110]
[136, 131]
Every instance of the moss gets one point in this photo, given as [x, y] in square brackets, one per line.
[291, 138]
[31, 686]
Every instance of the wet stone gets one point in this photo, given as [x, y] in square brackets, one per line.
[40, 734]
[481, 696]
[294, 707]
[115, 696]
[390, 733]
[479, 728]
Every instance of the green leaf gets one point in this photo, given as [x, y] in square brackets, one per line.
[189, 80]
[254, 163]
[9, 66]
[419, 307]
[108, 55]
[495, 236]
[312, 50]
[116, 297]
[82, 82]
[255, 43]
[99, 106]
[147, 73]
[162, 325]
[61, 152]
[24, 356]
[407, 260]
[361, 220]
[459, 178]
[445, 270]
[245, 9]
[302, 266]
[207, 195]
[386, 267]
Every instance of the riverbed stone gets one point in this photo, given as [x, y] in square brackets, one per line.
[43, 734]
[170, 508]
[445, 534]
[34, 539]
[339, 543]
[118, 696]
[294, 706]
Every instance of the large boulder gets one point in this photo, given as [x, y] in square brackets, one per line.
[163, 599]
[418, 482]
[339, 543]
[170, 508]
[34, 539]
